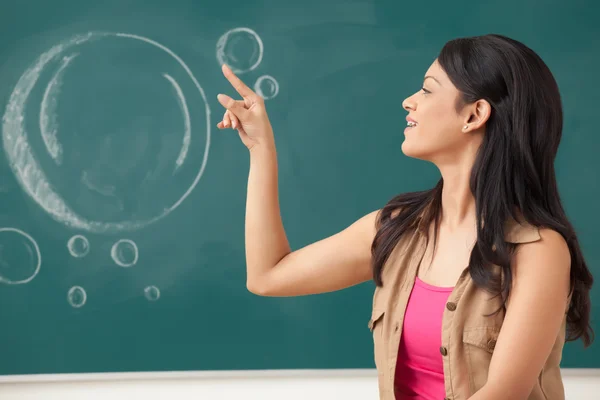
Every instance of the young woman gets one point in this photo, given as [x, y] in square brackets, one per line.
[480, 280]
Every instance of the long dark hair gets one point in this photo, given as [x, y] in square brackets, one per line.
[513, 170]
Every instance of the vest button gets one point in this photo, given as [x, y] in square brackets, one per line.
[444, 351]
[451, 306]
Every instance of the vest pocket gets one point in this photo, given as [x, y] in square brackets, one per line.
[376, 316]
[479, 346]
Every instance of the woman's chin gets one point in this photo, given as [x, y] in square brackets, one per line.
[411, 149]
[408, 148]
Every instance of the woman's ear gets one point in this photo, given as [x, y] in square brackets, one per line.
[479, 114]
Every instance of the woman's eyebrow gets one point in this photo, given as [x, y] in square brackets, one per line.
[429, 76]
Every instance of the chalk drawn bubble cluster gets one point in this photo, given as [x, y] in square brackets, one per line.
[107, 132]
[242, 50]
[77, 297]
[20, 257]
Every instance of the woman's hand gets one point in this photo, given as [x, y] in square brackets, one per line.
[248, 115]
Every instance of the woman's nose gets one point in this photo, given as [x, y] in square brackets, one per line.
[408, 104]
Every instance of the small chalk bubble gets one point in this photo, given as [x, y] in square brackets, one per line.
[241, 49]
[152, 293]
[266, 87]
[78, 246]
[77, 296]
[124, 253]
[20, 257]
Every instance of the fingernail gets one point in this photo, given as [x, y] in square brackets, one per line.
[233, 124]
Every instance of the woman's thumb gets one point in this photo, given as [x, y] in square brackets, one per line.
[235, 107]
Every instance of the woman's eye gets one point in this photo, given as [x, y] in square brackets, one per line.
[425, 90]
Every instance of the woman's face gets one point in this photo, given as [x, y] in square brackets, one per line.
[439, 135]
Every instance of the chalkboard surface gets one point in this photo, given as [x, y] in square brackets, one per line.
[122, 219]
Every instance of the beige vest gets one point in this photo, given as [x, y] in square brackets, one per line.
[468, 337]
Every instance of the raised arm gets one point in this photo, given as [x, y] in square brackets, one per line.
[332, 263]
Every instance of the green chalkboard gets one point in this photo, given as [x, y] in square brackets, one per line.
[122, 218]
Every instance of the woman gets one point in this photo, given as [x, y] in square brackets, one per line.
[480, 280]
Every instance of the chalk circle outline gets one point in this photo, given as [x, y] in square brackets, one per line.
[258, 88]
[71, 243]
[222, 57]
[70, 294]
[37, 252]
[150, 291]
[114, 253]
[26, 167]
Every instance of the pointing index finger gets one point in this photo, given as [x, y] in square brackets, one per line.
[237, 83]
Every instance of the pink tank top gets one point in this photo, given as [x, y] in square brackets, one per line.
[419, 369]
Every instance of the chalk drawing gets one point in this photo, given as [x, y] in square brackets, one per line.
[124, 253]
[266, 86]
[32, 178]
[77, 296]
[105, 190]
[78, 246]
[152, 293]
[20, 257]
[241, 49]
[48, 117]
[187, 135]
